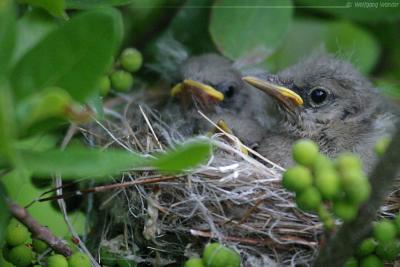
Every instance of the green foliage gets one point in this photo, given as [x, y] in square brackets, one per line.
[5, 214]
[306, 36]
[7, 33]
[71, 57]
[54, 7]
[190, 26]
[78, 162]
[242, 27]
[32, 27]
[183, 157]
[87, 4]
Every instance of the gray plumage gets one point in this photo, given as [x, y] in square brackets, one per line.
[347, 115]
[236, 108]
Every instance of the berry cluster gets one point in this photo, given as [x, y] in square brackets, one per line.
[324, 185]
[120, 78]
[382, 247]
[215, 255]
[21, 251]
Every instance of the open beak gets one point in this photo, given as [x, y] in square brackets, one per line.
[197, 87]
[284, 95]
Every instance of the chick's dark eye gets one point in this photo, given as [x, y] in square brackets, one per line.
[319, 96]
[230, 91]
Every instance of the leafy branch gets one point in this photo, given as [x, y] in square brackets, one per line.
[343, 244]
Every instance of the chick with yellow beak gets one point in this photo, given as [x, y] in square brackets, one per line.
[324, 99]
[210, 83]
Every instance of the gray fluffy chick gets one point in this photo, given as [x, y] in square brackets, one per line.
[324, 99]
[210, 83]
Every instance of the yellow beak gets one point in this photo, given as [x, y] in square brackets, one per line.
[201, 87]
[280, 93]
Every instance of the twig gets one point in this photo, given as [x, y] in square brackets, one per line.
[108, 187]
[253, 241]
[343, 244]
[38, 230]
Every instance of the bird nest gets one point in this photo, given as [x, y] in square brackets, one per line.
[235, 198]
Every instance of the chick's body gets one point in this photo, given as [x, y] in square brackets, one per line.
[342, 111]
[236, 108]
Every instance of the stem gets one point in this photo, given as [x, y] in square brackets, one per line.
[343, 244]
[38, 230]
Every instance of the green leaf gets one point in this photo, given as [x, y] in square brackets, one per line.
[49, 103]
[84, 4]
[7, 121]
[7, 33]
[364, 11]
[184, 157]
[341, 38]
[389, 88]
[239, 28]
[190, 26]
[40, 142]
[5, 214]
[54, 7]
[31, 28]
[72, 57]
[80, 162]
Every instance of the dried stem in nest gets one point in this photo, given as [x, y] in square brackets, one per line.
[343, 244]
[38, 230]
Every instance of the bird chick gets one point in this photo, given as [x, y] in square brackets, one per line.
[210, 83]
[326, 100]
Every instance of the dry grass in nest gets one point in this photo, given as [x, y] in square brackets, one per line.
[234, 198]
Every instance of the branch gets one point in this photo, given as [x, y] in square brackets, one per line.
[38, 230]
[342, 245]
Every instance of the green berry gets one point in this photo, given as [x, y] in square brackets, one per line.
[121, 80]
[344, 210]
[326, 217]
[39, 246]
[305, 152]
[57, 260]
[297, 178]
[16, 234]
[328, 183]
[384, 230]
[216, 255]
[388, 251]
[352, 178]
[322, 163]
[356, 186]
[104, 85]
[348, 161]
[367, 247]
[381, 145]
[358, 195]
[352, 262]
[194, 262]
[79, 259]
[131, 59]
[6, 253]
[21, 256]
[309, 199]
[371, 261]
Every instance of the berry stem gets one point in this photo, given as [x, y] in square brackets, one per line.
[343, 243]
[39, 231]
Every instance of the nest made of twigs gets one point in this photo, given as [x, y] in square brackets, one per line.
[235, 198]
